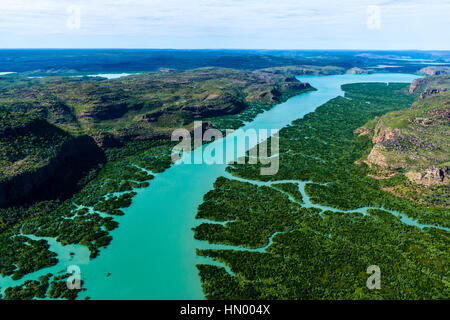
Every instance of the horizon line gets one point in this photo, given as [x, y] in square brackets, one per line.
[222, 49]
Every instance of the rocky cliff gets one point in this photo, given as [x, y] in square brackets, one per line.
[435, 70]
[33, 152]
[416, 141]
[441, 83]
[434, 175]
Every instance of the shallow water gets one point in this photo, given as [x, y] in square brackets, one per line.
[152, 255]
[111, 75]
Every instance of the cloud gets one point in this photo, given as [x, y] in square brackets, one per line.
[233, 19]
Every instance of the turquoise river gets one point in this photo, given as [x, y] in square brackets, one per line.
[152, 254]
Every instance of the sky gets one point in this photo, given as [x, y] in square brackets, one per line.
[246, 24]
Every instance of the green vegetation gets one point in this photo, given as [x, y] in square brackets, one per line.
[59, 289]
[113, 204]
[324, 147]
[253, 221]
[291, 189]
[317, 254]
[111, 134]
[27, 143]
[149, 105]
[29, 289]
[20, 255]
[304, 70]
[236, 121]
[327, 259]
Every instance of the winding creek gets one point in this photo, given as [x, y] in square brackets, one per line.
[152, 254]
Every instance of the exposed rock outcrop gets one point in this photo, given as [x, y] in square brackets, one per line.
[377, 157]
[443, 114]
[432, 176]
[222, 105]
[416, 141]
[298, 85]
[105, 111]
[429, 92]
[435, 70]
[105, 139]
[74, 158]
[415, 85]
[435, 83]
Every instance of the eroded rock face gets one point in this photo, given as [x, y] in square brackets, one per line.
[434, 175]
[361, 131]
[382, 135]
[435, 71]
[414, 142]
[396, 139]
[414, 85]
[105, 140]
[105, 111]
[74, 158]
[221, 105]
[443, 114]
[411, 147]
[298, 85]
[421, 121]
[430, 85]
[377, 157]
[429, 92]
